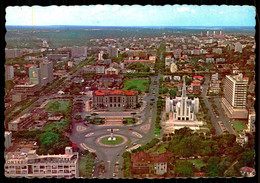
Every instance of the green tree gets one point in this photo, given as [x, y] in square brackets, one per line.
[212, 168]
[173, 92]
[184, 169]
[105, 56]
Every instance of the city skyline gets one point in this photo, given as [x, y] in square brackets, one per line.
[117, 15]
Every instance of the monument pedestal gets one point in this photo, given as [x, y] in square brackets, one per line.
[111, 138]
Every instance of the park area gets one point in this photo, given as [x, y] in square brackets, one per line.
[136, 85]
[86, 163]
[239, 126]
[57, 106]
[52, 137]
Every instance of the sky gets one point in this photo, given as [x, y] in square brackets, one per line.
[136, 15]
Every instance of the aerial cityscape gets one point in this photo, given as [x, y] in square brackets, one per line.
[110, 91]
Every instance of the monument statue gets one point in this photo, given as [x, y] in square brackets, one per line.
[111, 136]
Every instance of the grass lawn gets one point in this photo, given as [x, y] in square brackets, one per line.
[59, 125]
[86, 164]
[157, 131]
[57, 106]
[158, 149]
[134, 84]
[198, 163]
[129, 121]
[117, 141]
[161, 148]
[239, 126]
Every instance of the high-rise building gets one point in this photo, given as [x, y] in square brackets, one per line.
[9, 72]
[35, 75]
[100, 55]
[47, 71]
[112, 51]
[79, 51]
[238, 47]
[235, 93]
[26, 163]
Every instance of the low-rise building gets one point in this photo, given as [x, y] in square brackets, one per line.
[100, 69]
[8, 139]
[145, 164]
[251, 121]
[28, 164]
[247, 171]
[114, 100]
[21, 123]
[214, 77]
[111, 71]
[18, 97]
[28, 89]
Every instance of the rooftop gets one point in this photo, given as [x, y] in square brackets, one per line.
[114, 92]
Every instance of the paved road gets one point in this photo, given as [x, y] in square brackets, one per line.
[222, 116]
[112, 154]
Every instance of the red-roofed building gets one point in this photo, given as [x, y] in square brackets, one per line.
[195, 86]
[198, 77]
[145, 164]
[114, 100]
[247, 171]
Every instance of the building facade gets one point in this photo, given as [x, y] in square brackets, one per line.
[13, 53]
[47, 71]
[79, 51]
[238, 47]
[114, 100]
[28, 164]
[112, 51]
[8, 139]
[21, 123]
[145, 164]
[9, 72]
[251, 121]
[35, 75]
[235, 96]
[28, 89]
[183, 108]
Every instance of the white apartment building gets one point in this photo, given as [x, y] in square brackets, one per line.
[26, 163]
[235, 93]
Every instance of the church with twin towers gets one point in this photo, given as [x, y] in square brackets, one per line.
[182, 108]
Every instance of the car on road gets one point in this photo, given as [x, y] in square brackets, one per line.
[130, 129]
[126, 147]
[117, 154]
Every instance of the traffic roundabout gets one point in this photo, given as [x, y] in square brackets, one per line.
[104, 140]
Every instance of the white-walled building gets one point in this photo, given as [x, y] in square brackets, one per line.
[235, 96]
[26, 163]
[238, 47]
